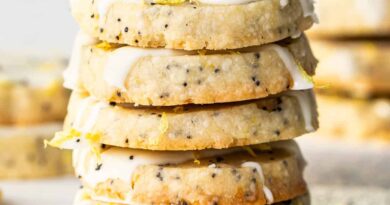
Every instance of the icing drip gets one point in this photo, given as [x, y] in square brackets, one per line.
[300, 82]
[305, 104]
[120, 62]
[71, 74]
[308, 9]
[267, 192]
[93, 107]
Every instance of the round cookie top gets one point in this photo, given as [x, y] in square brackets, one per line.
[181, 24]
[265, 175]
[165, 77]
[219, 126]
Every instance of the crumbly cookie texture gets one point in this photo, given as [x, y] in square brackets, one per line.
[358, 68]
[23, 156]
[190, 26]
[196, 78]
[31, 92]
[355, 18]
[192, 127]
[218, 180]
[354, 119]
[83, 198]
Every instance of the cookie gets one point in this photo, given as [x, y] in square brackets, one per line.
[265, 175]
[163, 77]
[354, 119]
[31, 92]
[352, 18]
[193, 26]
[83, 198]
[357, 68]
[22, 154]
[281, 117]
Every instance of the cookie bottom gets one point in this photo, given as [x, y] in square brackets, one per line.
[84, 198]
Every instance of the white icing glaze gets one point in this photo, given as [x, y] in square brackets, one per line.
[373, 11]
[305, 103]
[92, 107]
[300, 82]
[71, 74]
[267, 192]
[308, 9]
[42, 130]
[121, 60]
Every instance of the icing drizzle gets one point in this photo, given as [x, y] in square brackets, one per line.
[267, 192]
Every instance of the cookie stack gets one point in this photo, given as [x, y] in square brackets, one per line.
[181, 102]
[355, 63]
[32, 107]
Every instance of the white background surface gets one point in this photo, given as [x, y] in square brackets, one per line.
[36, 27]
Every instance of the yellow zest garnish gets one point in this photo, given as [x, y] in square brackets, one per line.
[164, 125]
[196, 161]
[304, 74]
[169, 2]
[250, 151]
[106, 46]
[62, 137]
[196, 158]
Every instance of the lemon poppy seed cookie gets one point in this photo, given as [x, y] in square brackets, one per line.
[22, 153]
[218, 126]
[355, 119]
[163, 77]
[352, 18]
[212, 25]
[31, 91]
[358, 68]
[270, 174]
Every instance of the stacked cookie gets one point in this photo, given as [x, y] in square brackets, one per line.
[354, 62]
[180, 102]
[32, 107]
